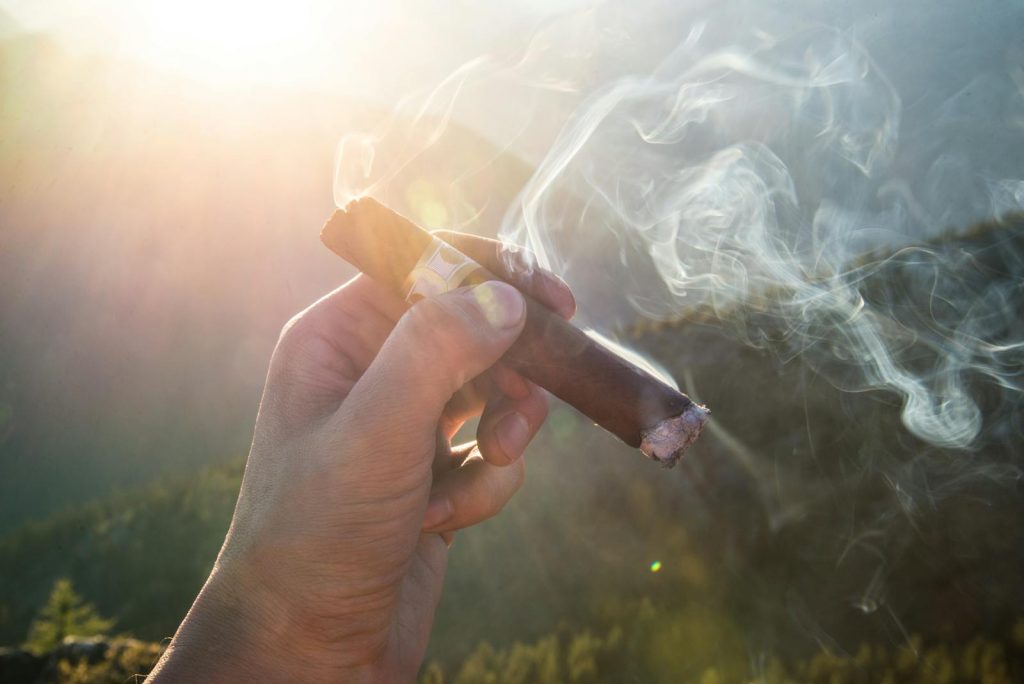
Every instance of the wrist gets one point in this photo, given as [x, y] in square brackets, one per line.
[221, 639]
[232, 633]
[235, 631]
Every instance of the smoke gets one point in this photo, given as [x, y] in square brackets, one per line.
[768, 175]
[506, 92]
[838, 187]
[764, 165]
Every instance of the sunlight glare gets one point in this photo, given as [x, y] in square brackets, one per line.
[231, 38]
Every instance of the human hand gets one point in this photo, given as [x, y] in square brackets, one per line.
[334, 562]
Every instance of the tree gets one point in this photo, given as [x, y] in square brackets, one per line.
[65, 614]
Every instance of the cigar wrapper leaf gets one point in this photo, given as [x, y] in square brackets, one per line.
[626, 400]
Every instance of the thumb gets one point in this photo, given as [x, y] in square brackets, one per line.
[439, 345]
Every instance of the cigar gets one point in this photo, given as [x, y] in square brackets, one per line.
[624, 399]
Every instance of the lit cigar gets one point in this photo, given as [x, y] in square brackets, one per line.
[629, 402]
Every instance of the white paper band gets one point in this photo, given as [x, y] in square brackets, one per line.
[442, 268]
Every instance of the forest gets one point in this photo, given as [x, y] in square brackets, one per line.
[743, 563]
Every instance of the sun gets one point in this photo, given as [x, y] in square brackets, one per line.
[254, 39]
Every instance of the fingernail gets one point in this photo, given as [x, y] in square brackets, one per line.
[566, 299]
[501, 303]
[513, 433]
[557, 292]
[439, 510]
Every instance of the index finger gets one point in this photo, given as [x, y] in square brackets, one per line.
[517, 268]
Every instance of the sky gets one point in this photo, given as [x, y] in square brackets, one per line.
[381, 51]
[355, 45]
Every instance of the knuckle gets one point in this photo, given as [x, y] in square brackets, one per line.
[518, 263]
[424, 319]
[521, 269]
[296, 336]
[302, 329]
[454, 311]
[297, 327]
[442, 327]
[304, 342]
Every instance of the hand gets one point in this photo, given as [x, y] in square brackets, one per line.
[334, 561]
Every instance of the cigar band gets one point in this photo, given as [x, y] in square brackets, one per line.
[441, 268]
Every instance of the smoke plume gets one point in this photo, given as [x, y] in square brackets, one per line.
[837, 187]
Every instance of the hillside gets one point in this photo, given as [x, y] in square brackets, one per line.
[806, 519]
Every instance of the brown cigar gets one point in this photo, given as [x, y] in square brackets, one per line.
[626, 400]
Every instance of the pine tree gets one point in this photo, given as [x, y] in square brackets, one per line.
[65, 614]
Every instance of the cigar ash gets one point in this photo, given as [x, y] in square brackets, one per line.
[668, 440]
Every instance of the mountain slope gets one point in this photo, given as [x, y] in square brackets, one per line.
[806, 518]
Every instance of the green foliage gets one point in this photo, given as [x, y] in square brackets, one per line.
[630, 641]
[127, 660]
[620, 654]
[140, 556]
[65, 614]
[802, 519]
[583, 657]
